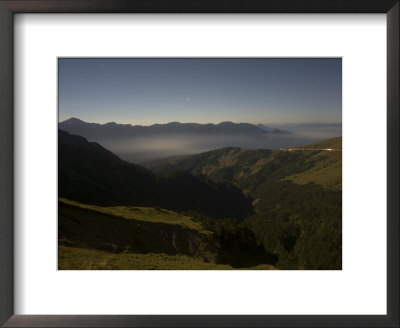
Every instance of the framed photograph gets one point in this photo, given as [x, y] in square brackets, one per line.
[199, 164]
[201, 172]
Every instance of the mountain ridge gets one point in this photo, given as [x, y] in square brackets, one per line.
[74, 120]
[116, 130]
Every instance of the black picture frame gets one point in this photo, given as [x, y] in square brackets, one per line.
[7, 10]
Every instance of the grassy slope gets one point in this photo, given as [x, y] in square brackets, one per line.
[327, 170]
[149, 214]
[71, 258]
[333, 143]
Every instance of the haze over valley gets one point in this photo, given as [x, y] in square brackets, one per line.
[137, 143]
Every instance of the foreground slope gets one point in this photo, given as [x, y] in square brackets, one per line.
[118, 230]
[71, 258]
[138, 238]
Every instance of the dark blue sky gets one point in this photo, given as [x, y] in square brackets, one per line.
[148, 91]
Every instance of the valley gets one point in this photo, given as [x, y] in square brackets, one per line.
[229, 208]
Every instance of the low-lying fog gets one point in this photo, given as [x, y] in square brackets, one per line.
[141, 149]
[313, 131]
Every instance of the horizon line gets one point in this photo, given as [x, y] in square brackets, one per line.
[191, 122]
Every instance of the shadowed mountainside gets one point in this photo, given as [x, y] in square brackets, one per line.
[91, 174]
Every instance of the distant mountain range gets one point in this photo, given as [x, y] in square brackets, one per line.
[114, 130]
[137, 143]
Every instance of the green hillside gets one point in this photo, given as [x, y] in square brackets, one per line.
[333, 143]
[326, 171]
[327, 165]
[246, 168]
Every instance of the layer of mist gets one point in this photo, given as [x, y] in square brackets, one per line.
[313, 131]
[141, 149]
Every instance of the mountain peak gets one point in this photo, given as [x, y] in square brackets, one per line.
[226, 123]
[73, 120]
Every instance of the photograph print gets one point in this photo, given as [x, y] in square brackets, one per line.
[199, 164]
